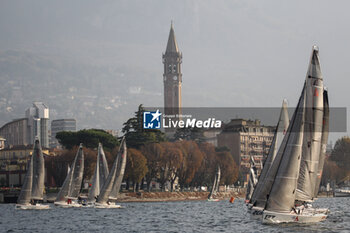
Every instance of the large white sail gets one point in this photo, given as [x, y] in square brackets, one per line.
[312, 130]
[26, 190]
[324, 140]
[100, 175]
[72, 184]
[111, 182]
[266, 178]
[282, 195]
[120, 173]
[38, 172]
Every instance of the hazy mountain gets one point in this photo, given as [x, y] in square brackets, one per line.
[107, 54]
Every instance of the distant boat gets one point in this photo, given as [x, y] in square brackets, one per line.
[342, 192]
[100, 175]
[253, 179]
[110, 190]
[32, 191]
[69, 193]
[294, 185]
[215, 187]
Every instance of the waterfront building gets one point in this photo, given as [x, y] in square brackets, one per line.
[24, 130]
[15, 132]
[13, 164]
[60, 125]
[246, 138]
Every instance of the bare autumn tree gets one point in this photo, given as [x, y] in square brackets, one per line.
[153, 153]
[229, 169]
[192, 160]
[332, 172]
[204, 175]
[57, 166]
[136, 167]
[341, 153]
[169, 164]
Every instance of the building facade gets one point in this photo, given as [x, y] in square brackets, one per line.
[60, 125]
[38, 123]
[246, 138]
[13, 164]
[172, 77]
[23, 131]
[15, 132]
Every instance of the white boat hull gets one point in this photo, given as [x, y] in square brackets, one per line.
[213, 199]
[66, 205]
[271, 217]
[107, 206]
[32, 207]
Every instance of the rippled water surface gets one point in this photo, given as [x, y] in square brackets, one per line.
[189, 216]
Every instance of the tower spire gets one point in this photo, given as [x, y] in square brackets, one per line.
[172, 44]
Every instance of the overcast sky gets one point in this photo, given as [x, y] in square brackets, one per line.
[235, 53]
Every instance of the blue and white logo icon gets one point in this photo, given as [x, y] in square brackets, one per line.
[152, 120]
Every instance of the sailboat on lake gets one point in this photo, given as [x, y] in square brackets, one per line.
[258, 200]
[70, 191]
[301, 155]
[100, 175]
[110, 189]
[253, 179]
[215, 187]
[32, 191]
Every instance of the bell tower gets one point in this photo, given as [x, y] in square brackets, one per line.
[172, 76]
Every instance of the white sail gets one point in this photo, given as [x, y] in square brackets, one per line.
[38, 172]
[282, 195]
[26, 190]
[267, 175]
[111, 182]
[100, 175]
[120, 173]
[324, 141]
[72, 184]
[253, 179]
[312, 130]
[215, 187]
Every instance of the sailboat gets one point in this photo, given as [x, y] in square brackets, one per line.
[300, 155]
[110, 189]
[100, 175]
[32, 191]
[69, 193]
[253, 179]
[258, 200]
[215, 187]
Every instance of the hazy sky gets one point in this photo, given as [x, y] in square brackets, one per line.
[235, 53]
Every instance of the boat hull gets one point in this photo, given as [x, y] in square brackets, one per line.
[32, 207]
[66, 205]
[107, 206]
[213, 199]
[271, 217]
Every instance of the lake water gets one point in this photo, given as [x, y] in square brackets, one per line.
[185, 216]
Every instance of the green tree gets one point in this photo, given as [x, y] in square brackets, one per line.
[89, 137]
[136, 136]
[136, 167]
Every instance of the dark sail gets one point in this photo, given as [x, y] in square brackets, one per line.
[26, 190]
[38, 172]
